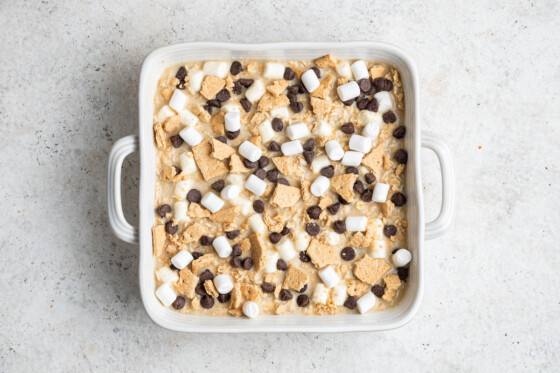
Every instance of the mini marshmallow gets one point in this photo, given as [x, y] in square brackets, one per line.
[191, 136]
[310, 80]
[164, 113]
[228, 108]
[223, 283]
[323, 129]
[281, 112]
[339, 294]
[271, 260]
[166, 274]
[274, 70]
[250, 151]
[251, 309]
[255, 185]
[367, 302]
[402, 257]
[181, 189]
[255, 91]
[195, 80]
[178, 101]
[343, 69]
[367, 116]
[329, 277]
[333, 238]
[359, 69]
[319, 163]
[348, 91]
[222, 246]
[380, 192]
[291, 147]
[384, 101]
[371, 130]
[166, 294]
[256, 223]
[352, 158]
[379, 247]
[232, 121]
[180, 210]
[360, 143]
[188, 118]
[320, 186]
[301, 241]
[212, 202]
[286, 249]
[266, 131]
[230, 192]
[236, 179]
[182, 259]
[297, 131]
[188, 165]
[334, 150]
[216, 68]
[320, 294]
[356, 223]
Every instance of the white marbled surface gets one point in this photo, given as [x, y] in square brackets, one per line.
[490, 83]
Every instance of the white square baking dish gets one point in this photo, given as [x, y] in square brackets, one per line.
[154, 64]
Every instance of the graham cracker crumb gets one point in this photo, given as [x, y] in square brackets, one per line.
[274, 224]
[269, 102]
[295, 278]
[217, 123]
[210, 288]
[172, 123]
[374, 159]
[250, 292]
[356, 288]
[229, 82]
[257, 248]
[278, 86]
[321, 108]
[168, 173]
[400, 169]
[341, 81]
[285, 165]
[370, 270]
[377, 71]
[236, 298]
[321, 254]
[305, 191]
[324, 89]
[388, 208]
[387, 162]
[325, 201]
[225, 216]
[245, 245]
[167, 93]
[187, 282]
[236, 165]
[193, 233]
[159, 134]
[195, 211]
[326, 61]
[220, 150]
[209, 166]
[392, 284]
[285, 196]
[204, 261]
[343, 185]
[203, 115]
[212, 85]
[359, 241]
[158, 238]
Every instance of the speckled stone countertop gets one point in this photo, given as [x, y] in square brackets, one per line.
[490, 83]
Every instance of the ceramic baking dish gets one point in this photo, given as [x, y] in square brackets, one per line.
[155, 63]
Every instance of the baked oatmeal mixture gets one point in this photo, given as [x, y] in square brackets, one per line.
[280, 187]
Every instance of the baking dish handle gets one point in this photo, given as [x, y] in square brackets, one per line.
[439, 226]
[121, 228]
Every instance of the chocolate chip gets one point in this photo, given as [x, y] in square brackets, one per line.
[224, 298]
[207, 302]
[250, 164]
[179, 302]
[347, 128]
[247, 263]
[339, 226]
[236, 250]
[177, 170]
[389, 117]
[348, 253]
[309, 155]
[293, 89]
[235, 262]
[302, 89]
[194, 195]
[367, 195]
[350, 302]
[260, 173]
[401, 156]
[352, 170]
[246, 104]
[181, 73]
[170, 228]
[177, 141]
[223, 95]
[317, 72]
[312, 229]
[327, 171]
[303, 289]
[172, 267]
[263, 161]
[359, 186]
[296, 107]
[289, 74]
[200, 290]
[232, 234]
[382, 84]
[214, 103]
[273, 146]
[302, 300]
[196, 254]
[258, 206]
[275, 237]
[342, 200]
[267, 287]
[370, 178]
[246, 82]
[333, 209]
[402, 272]
[285, 295]
[218, 185]
[362, 104]
[394, 251]
[232, 135]
[285, 231]
[314, 212]
[206, 275]
[399, 132]
[281, 265]
[272, 175]
[378, 290]
[283, 181]
[205, 240]
[163, 210]
[398, 199]
[365, 85]
[208, 108]
[222, 139]
[181, 85]
[237, 88]
[304, 257]
[277, 124]
[390, 230]
[348, 102]
[372, 105]
[236, 68]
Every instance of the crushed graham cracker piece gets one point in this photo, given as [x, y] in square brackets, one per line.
[196, 211]
[344, 184]
[400, 169]
[193, 233]
[167, 93]
[285, 165]
[159, 134]
[326, 61]
[325, 201]
[256, 120]
[172, 249]
[321, 108]
[377, 71]
[392, 284]
[285, 196]
[203, 115]
[321, 254]
[370, 270]
[236, 298]
[158, 239]
[245, 245]
[236, 165]
[225, 216]
[210, 288]
[280, 308]
[187, 282]
[209, 166]
[305, 191]
[217, 123]
[257, 249]
[374, 159]
[274, 224]
[211, 85]
[220, 150]
[168, 173]
[356, 288]
[324, 89]
[229, 82]
[295, 278]
[278, 86]
[183, 176]
[359, 240]
[250, 292]
[172, 123]
[269, 102]
[388, 208]
[387, 162]
[204, 261]
[341, 81]
[256, 140]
